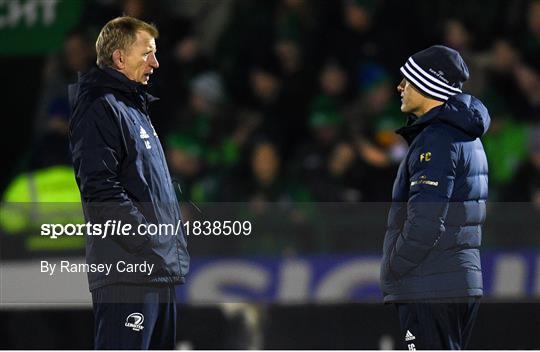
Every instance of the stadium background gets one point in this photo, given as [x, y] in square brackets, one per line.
[282, 112]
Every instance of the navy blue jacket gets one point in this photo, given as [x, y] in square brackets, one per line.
[431, 247]
[122, 175]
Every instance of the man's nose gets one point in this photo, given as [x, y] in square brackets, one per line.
[154, 61]
[401, 86]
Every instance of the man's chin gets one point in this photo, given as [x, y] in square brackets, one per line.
[145, 79]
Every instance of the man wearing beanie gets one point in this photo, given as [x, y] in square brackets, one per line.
[431, 261]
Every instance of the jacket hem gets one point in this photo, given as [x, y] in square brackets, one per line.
[401, 298]
[167, 280]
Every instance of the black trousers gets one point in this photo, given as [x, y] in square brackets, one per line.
[134, 317]
[437, 324]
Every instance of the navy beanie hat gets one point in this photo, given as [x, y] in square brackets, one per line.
[437, 72]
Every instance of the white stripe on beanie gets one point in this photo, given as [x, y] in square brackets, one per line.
[433, 78]
[426, 82]
[421, 87]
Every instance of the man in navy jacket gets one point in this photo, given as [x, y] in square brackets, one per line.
[431, 261]
[123, 178]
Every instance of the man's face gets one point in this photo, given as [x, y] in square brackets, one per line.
[140, 59]
[411, 99]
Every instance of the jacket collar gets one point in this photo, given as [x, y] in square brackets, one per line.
[121, 82]
[415, 125]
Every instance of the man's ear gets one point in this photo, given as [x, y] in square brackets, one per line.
[118, 59]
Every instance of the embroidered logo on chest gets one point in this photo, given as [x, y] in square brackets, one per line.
[144, 136]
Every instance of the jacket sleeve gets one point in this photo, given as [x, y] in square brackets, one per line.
[98, 148]
[432, 170]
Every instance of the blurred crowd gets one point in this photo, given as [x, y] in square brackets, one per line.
[295, 100]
